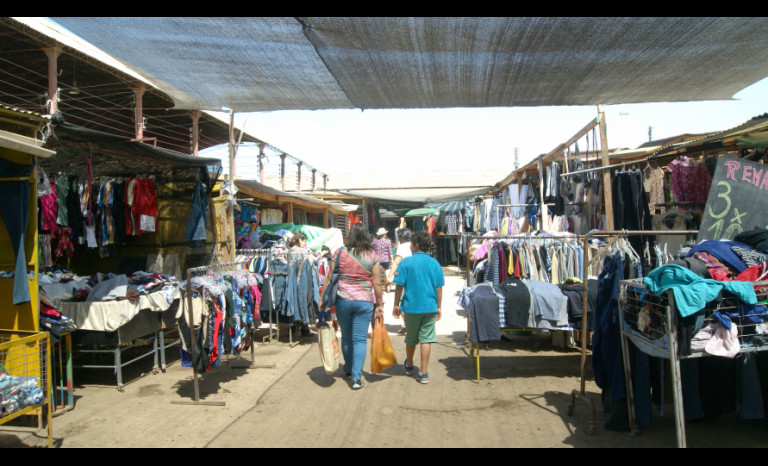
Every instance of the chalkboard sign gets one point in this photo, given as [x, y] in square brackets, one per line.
[737, 200]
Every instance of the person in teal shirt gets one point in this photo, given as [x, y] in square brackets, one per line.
[419, 284]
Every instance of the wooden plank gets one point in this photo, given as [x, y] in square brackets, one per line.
[607, 190]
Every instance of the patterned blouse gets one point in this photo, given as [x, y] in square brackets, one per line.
[356, 281]
[383, 248]
[690, 182]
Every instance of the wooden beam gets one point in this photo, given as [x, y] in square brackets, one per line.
[607, 190]
[53, 72]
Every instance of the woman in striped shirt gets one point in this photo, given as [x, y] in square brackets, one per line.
[359, 298]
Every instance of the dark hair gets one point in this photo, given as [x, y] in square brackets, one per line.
[325, 251]
[404, 235]
[298, 236]
[423, 240]
[358, 239]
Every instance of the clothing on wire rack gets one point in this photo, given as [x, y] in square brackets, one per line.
[630, 209]
[227, 303]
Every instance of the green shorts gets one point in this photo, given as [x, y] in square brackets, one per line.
[420, 328]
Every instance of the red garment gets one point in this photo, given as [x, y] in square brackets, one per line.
[751, 274]
[432, 226]
[144, 201]
[256, 295]
[217, 323]
[690, 181]
[50, 208]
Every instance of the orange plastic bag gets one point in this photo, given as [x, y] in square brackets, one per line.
[382, 352]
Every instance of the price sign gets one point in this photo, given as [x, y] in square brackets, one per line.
[737, 200]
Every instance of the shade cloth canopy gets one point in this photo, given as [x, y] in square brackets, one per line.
[284, 63]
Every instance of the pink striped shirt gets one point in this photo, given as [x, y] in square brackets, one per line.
[356, 281]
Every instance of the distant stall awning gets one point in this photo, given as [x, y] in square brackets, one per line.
[449, 206]
[421, 212]
[754, 139]
[259, 191]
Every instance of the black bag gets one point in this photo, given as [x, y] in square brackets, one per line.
[329, 294]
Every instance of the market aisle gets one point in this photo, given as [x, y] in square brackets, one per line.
[521, 401]
[520, 396]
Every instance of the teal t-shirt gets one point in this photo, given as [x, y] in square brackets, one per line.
[420, 275]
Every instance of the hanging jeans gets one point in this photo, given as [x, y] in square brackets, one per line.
[195, 235]
[14, 207]
[354, 317]
[606, 343]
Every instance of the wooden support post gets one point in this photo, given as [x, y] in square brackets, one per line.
[298, 175]
[195, 132]
[542, 205]
[53, 84]
[314, 174]
[261, 163]
[139, 111]
[365, 215]
[607, 190]
[232, 240]
[282, 172]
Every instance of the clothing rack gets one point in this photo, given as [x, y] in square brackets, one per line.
[191, 324]
[615, 235]
[603, 167]
[251, 253]
[271, 254]
[475, 349]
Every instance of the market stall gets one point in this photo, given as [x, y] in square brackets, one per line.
[25, 348]
[120, 220]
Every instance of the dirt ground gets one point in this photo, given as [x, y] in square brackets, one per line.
[521, 400]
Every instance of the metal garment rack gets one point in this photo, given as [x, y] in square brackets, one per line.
[664, 342]
[271, 255]
[191, 324]
[475, 349]
[615, 234]
[266, 253]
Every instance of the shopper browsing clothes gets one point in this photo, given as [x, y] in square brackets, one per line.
[359, 297]
[419, 282]
[383, 247]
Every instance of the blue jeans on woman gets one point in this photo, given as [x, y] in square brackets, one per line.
[354, 317]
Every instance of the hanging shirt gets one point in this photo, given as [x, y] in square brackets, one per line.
[690, 182]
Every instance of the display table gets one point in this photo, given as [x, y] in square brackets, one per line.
[114, 327]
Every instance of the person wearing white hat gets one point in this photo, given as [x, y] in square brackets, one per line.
[383, 247]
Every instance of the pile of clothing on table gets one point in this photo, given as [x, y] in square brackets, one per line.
[52, 319]
[63, 285]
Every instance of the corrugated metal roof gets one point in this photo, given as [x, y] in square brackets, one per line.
[715, 140]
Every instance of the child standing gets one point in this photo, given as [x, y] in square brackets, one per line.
[419, 282]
